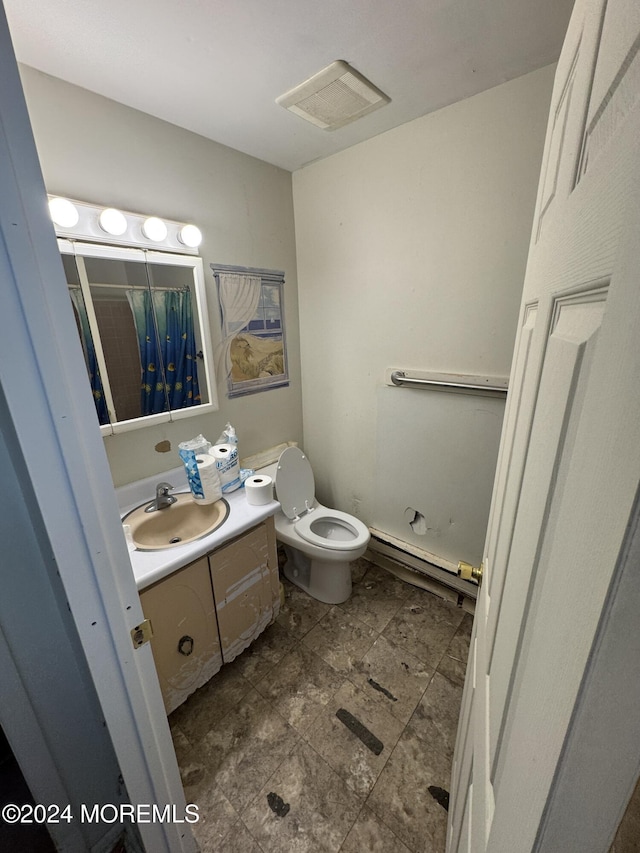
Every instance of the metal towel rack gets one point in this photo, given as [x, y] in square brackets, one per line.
[399, 378]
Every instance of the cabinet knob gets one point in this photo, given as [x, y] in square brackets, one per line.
[185, 645]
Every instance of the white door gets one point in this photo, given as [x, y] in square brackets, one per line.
[57, 453]
[548, 745]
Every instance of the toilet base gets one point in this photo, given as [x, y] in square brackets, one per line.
[325, 581]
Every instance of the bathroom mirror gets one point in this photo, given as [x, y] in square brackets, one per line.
[142, 321]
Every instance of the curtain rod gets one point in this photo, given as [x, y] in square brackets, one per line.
[184, 289]
[271, 275]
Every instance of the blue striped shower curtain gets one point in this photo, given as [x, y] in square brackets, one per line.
[167, 351]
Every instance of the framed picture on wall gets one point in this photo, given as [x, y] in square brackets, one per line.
[253, 353]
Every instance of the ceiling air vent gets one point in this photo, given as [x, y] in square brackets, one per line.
[333, 97]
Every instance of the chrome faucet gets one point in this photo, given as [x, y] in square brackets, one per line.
[163, 498]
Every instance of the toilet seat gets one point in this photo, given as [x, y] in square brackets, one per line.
[330, 529]
[334, 530]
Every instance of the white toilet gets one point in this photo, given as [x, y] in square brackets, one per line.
[320, 543]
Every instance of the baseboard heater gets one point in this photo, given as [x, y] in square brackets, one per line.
[417, 566]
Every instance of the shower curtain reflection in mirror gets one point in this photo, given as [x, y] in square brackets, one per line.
[84, 331]
[166, 338]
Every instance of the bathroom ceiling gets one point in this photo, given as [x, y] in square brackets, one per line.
[216, 67]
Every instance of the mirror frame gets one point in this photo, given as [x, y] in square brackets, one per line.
[79, 249]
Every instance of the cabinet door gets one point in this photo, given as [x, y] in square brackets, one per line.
[185, 644]
[272, 550]
[241, 573]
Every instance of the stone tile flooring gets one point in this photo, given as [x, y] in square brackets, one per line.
[274, 770]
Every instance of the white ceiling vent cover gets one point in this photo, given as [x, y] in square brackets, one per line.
[333, 97]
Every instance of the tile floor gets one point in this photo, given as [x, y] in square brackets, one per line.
[274, 770]
[627, 838]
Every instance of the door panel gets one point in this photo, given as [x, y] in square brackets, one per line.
[569, 105]
[465, 833]
[616, 86]
[527, 363]
[557, 142]
[595, 496]
[462, 765]
[576, 321]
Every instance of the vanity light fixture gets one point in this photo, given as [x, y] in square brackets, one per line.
[63, 212]
[154, 229]
[78, 220]
[113, 222]
[190, 235]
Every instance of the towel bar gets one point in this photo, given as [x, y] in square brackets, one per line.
[399, 377]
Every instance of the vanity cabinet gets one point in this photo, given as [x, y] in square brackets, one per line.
[208, 612]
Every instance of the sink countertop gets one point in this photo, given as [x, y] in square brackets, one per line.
[151, 566]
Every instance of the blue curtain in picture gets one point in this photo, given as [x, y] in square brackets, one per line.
[89, 354]
[169, 364]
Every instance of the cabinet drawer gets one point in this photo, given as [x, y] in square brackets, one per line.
[185, 645]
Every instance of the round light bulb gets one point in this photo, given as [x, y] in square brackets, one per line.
[63, 213]
[113, 222]
[154, 229]
[191, 236]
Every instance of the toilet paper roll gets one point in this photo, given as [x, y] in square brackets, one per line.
[226, 458]
[209, 479]
[259, 489]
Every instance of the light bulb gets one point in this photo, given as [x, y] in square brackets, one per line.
[154, 229]
[63, 213]
[113, 222]
[191, 236]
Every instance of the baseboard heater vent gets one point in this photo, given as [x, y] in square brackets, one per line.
[416, 566]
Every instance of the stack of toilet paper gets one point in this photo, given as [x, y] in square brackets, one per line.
[202, 473]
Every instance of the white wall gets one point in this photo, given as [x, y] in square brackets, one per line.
[97, 150]
[411, 254]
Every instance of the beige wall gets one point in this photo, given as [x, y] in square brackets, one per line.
[411, 254]
[96, 150]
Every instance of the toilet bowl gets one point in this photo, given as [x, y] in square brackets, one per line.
[320, 543]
